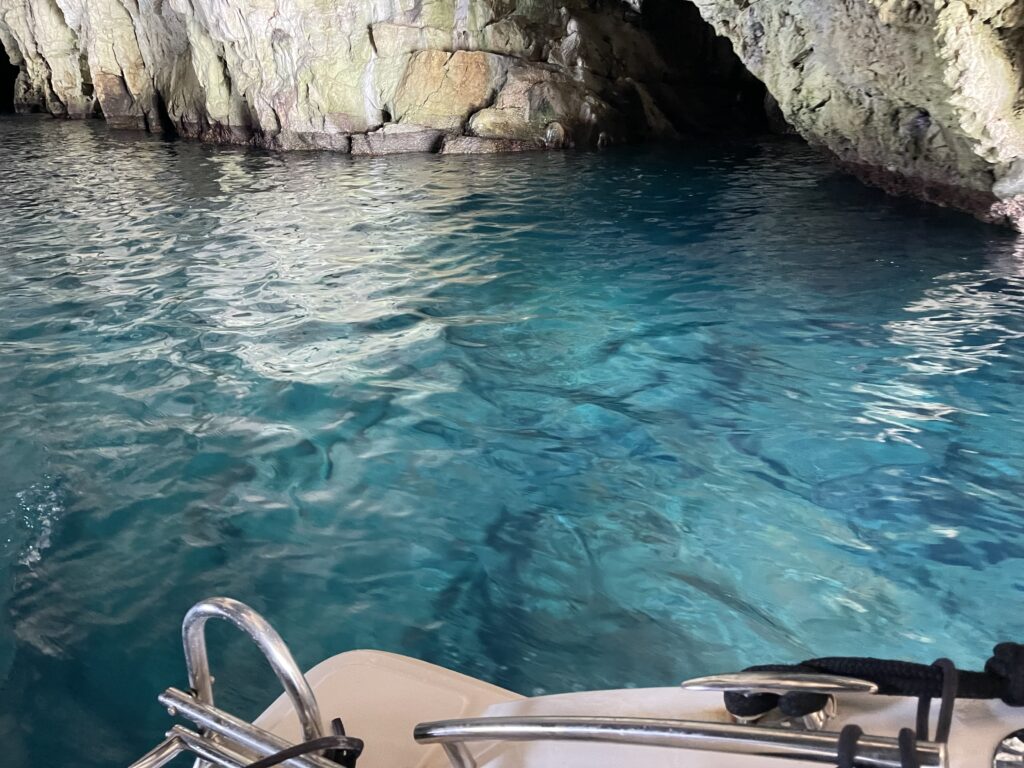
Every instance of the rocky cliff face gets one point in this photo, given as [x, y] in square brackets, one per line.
[367, 76]
[921, 97]
[918, 96]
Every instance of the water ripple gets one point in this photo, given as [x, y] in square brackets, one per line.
[555, 420]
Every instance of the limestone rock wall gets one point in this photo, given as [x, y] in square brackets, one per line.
[918, 96]
[921, 97]
[361, 75]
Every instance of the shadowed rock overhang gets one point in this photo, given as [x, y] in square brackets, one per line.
[919, 98]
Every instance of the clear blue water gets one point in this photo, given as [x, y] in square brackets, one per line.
[556, 420]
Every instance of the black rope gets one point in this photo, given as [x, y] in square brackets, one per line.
[847, 747]
[350, 748]
[1007, 664]
[1003, 678]
[345, 757]
[744, 705]
[907, 740]
[950, 686]
[924, 710]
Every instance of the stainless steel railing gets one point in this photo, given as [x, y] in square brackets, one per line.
[815, 747]
[229, 742]
[161, 754]
[193, 633]
[226, 741]
[246, 737]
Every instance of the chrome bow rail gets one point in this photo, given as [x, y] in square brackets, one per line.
[193, 635]
[815, 747]
[225, 740]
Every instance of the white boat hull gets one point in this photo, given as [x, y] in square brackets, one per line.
[381, 697]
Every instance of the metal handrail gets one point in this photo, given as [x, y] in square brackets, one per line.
[226, 741]
[193, 633]
[233, 730]
[161, 754]
[208, 750]
[815, 747]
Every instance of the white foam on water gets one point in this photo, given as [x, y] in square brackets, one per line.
[40, 507]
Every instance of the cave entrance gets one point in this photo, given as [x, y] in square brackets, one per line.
[708, 90]
[8, 75]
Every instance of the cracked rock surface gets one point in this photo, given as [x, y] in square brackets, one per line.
[920, 97]
[367, 76]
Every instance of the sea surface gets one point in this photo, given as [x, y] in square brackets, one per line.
[559, 421]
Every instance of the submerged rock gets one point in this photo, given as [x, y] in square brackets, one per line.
[396, 138]
[477, 145]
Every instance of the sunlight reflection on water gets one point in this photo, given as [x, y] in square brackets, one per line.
[553, 420]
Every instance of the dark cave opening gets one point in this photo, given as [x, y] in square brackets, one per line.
[8, 76]
[708, 90]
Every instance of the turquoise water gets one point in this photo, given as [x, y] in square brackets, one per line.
[555, 420]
